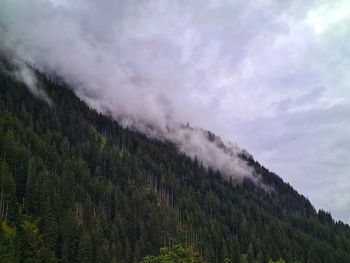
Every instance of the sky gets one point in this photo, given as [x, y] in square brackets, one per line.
[269, 75]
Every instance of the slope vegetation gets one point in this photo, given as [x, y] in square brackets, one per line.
[77, 187]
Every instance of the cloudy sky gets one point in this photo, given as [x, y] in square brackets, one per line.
[270, 75]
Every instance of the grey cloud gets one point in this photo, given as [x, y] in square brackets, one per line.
[27, 76]
[252, 71]
[309, 149]
[120, 65]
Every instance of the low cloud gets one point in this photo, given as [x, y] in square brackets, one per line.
[119, 65]
[25, 74]
[255, 72]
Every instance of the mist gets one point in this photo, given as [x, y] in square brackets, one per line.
[25, 74]
[119, 59]
[270, 75]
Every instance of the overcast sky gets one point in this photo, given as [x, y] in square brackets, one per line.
[270, 75]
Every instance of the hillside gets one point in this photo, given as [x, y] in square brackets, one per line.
[77, 187]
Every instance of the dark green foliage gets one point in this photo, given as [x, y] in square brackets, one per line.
[174, 254]
[77, 187]
[278, 261]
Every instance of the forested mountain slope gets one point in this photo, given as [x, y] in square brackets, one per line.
[77, 187]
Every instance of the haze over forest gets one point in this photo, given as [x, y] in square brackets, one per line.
[271, 76]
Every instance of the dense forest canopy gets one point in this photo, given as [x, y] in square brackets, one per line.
[77, 187]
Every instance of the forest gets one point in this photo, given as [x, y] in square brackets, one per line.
[76, 186]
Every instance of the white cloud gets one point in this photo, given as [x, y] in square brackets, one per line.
[328, 14]
[271, 75]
